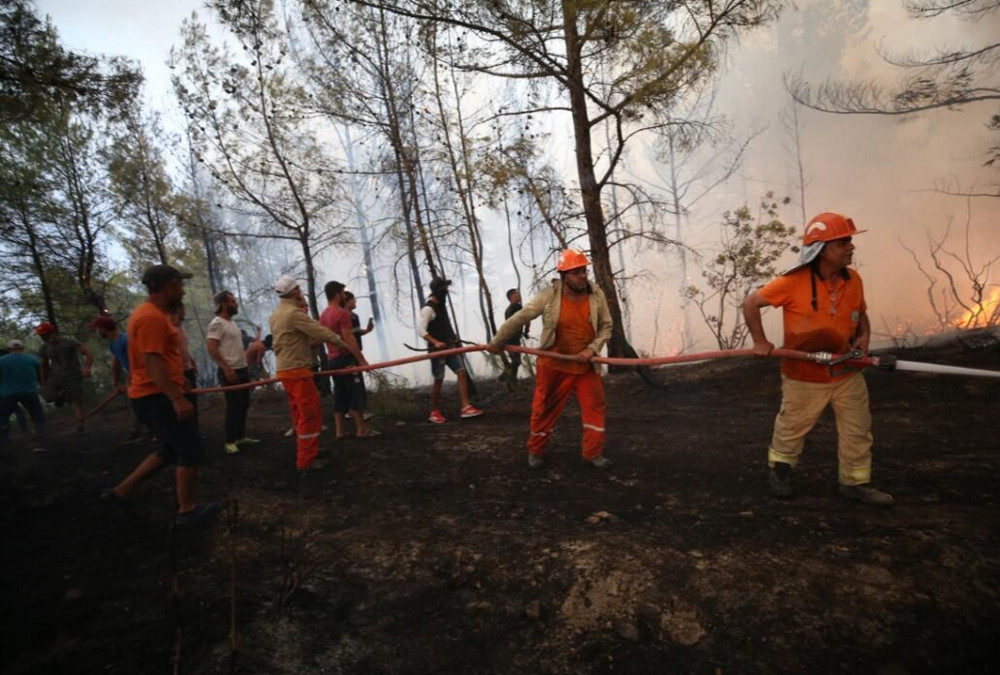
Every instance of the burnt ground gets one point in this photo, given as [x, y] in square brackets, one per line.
[435, 550]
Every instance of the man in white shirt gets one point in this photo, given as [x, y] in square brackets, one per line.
[225, 346]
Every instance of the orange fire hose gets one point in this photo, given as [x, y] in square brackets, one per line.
[817, 357]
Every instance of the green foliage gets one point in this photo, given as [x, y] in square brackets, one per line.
[752, 243]
[391, 396]
[36, 69]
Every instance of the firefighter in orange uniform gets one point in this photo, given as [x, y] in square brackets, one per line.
[575, 320]
[294, 333]
[823, 309]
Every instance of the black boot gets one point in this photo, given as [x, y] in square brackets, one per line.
[780, 481]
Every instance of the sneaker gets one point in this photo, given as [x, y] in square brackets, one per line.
[536, 461]
[780, 481]
[600, 462]
[367, 416]
[246, 440]
[231, 448]
[436, 417]
[470, 411]
[110, 498]
[866, 494]
[198, 513]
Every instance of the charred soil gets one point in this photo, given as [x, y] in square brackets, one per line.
[434, 549]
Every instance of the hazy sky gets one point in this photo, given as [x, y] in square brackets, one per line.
[876, 170]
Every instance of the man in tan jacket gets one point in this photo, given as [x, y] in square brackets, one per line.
[295, 333]
[575, 321]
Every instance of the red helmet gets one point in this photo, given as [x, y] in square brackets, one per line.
[44, 328]
[827, 227]
[572, 259]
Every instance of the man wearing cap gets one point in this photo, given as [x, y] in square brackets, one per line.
[157, 395]
[19, 376]
[62, 377]
[576, 321]
[435, 327]
[294, 334]
[224, 341]
[823, 309]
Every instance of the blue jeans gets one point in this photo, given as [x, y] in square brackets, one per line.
[30, 402]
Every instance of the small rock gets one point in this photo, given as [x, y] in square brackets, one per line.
[628, 631]
[593, 520]
[401, 424]
[746, 514]
[533, 610]
[681, 626]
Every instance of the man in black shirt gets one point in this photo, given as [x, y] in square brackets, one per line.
[435, 327]
[514, 298]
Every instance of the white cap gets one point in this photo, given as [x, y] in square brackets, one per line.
[15, 344]
[286, 284]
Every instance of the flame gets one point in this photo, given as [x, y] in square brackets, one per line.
[981, 318]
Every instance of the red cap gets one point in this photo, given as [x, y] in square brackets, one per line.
[103, 322]
[44, 328]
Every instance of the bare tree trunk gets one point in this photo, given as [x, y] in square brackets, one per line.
[463, 187]
[38, 265]
[366, 249]
[675, 194]
[590, 191]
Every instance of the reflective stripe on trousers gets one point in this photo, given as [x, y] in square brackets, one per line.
[307, 415]
[552, 391]
[802, 403]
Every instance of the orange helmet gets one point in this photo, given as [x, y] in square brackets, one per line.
[572, 259]
[827, 227]
[44, 328]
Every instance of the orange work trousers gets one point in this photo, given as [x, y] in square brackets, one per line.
[307, 414]
[552, 392]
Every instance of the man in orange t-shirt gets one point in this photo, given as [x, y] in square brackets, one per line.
[575, 321]
[157, 395]
[823, 309]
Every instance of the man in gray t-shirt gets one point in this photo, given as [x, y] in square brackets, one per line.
[62, 376]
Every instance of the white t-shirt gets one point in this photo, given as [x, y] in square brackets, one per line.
[230, 341]
[427, 314]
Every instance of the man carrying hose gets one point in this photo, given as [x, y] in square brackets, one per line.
[435, 327]
[576, 321]
[823, 309]
[295, 333]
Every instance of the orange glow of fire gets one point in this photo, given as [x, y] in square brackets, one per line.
[974, 318]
